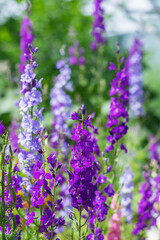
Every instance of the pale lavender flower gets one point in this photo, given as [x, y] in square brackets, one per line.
[134, 65]
[61, 104]
[31, 119]
[126, 193]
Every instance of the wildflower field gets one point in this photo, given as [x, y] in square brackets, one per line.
[79, 126]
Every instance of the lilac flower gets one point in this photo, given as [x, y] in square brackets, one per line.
[31, 116]
[126, 193]
[2, 128]
[26, 39]
[98, 27]
[61, 107]
[134, 65]
[118, 116]
[76, 55]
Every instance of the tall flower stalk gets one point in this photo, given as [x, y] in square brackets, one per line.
[98, 27]
[9, 187]
[26, 39]
[85, 178]
[32, 120]
[134, 65]
[41, 179]
[126, 193]
[148, 212]
[118, 117]
[61, 104]
[115, 221]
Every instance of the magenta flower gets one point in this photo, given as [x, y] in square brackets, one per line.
[40, 201]
[29, 217]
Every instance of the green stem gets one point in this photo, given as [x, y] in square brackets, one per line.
[80, 217]
[3, 186]
[38, 234]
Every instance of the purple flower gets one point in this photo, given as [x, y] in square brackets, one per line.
[52, 159]
[40, 201]
[109, 190]
[98, 27]
[31, 117]
[82, 60]
[85, 178]
[76, 55]
[126, 193]
[61, 106]
[150, 191]
[109, 169]
[134, 66]
[2, 128]
[73, 60]
[16, 169]
[118, 116]
[112, 66]
[75, 116]
[26, 39]
[29, 217]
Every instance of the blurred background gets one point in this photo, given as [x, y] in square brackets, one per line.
[62, 22]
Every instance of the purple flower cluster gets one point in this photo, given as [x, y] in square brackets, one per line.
[2, 128]
[31, 132]
[118, 109]
[134, 66]
[76, 55]
[11, 197]
[98, 28]
[82, 187]
[84, 179]
[145, 208]
[61, 104]
[44, 191]
[26, 39]
[150, 191]
[126, 193]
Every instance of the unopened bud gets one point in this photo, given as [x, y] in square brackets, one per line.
[36, 49]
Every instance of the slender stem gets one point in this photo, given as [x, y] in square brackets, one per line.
[38, 234]
[115, 161]
[51, 232]
[3, 206]
[80, 217]
[3, 186]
